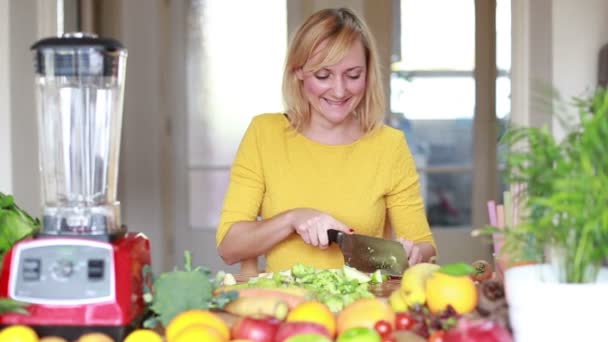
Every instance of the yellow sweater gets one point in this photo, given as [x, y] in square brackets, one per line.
[277, 169]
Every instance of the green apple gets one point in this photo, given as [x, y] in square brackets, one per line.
[359, 334]
[308, 338]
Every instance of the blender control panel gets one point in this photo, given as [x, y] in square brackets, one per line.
[63, 271]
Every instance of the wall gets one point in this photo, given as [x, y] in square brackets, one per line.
[25, 23]
[580, 29]
[6, 164]
[140, 182]
[555, 47]
[532, 61]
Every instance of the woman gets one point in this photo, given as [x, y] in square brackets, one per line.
[328, 163]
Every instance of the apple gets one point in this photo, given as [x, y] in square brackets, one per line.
[477, 331]
[289, 329]
[308, 337]
[359, 334]
[257, 329]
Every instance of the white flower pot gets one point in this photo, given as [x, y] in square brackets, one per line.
[541, 309]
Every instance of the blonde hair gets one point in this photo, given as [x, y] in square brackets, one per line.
[340, 29]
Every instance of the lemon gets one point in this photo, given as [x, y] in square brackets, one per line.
[18, 333]
[315, 312]
[198, 333]
[144, 335]
[196, 317]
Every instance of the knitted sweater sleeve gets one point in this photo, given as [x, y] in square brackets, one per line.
[246, 187]
[404, 201]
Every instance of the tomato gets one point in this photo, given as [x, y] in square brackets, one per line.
[404, 321]
[383, 328]
[483, 270]
[436, 336]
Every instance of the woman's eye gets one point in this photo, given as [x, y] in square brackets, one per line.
[354, 77]
[322, 76]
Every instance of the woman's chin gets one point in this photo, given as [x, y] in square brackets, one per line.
[337, 117]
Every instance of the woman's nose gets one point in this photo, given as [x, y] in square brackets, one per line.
[338, 87]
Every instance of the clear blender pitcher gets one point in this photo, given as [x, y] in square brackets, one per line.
[79, 88]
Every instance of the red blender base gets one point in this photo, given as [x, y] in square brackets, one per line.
[77, 285]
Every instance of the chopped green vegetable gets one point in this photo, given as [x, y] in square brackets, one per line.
[334, 287]
[352, 273]
[301, 270]
[180, 290]
[378, 277]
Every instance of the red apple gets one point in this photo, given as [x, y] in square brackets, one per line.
[289, 329]
[257, 329]
[477, 331]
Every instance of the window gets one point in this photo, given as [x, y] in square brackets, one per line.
[433, 98]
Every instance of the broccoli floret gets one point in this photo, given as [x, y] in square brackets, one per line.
[181, 290]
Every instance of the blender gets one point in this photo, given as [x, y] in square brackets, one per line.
[83, 271]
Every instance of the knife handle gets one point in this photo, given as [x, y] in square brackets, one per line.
[334, 235]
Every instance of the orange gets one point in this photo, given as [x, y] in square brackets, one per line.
[458, 291]
[198, 333]
[18, 333]
[315, 312]
[365, 312]
[197, 316]
[144, 335]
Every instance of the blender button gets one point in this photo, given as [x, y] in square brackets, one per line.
[31, 275]
[95, 269]
[31, 264]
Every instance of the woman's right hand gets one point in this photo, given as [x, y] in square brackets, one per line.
[312, 226]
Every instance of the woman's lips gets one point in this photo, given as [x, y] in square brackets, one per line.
[336, 103]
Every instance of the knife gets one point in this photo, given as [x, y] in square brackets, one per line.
[368, 254]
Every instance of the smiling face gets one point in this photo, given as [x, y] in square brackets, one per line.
[335, 91]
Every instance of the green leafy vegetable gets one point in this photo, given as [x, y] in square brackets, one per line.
[15, 223]
[8, 305]
[179, 290]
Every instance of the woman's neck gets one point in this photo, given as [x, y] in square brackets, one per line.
[325, 132]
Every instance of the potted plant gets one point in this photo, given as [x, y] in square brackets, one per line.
[562, 225]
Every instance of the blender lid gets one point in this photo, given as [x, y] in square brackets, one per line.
[78, 39]
[77, 53]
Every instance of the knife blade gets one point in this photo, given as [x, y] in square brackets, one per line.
[368, 254]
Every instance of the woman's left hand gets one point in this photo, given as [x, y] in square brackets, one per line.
[414, 255]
